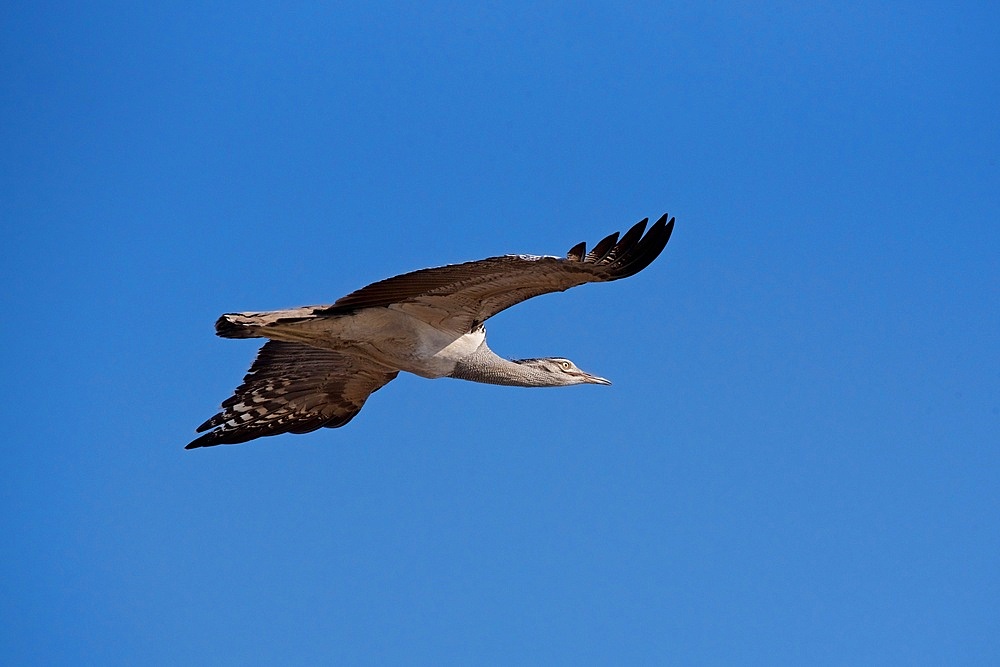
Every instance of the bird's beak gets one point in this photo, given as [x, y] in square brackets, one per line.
[593, 379]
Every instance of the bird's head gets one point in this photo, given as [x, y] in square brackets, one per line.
[558, 372]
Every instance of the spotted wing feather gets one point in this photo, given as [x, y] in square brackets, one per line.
[293, 388]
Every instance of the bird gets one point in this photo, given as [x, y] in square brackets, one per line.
[321, 363]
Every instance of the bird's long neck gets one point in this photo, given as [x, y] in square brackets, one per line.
[485, 366]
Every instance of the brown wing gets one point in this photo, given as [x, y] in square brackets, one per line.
[293, 388]
[475, 291]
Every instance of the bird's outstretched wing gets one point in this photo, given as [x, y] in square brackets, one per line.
[293, 388]
[472, 292]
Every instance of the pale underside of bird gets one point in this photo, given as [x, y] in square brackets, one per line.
[321, 363]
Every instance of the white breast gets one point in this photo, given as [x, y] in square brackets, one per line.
[436, 360]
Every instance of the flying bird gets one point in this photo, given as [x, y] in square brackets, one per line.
[321, 363]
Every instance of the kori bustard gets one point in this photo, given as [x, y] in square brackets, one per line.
[321, 363]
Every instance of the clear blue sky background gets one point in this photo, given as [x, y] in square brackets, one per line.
[797, 464]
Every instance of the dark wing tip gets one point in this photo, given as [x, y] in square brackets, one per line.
[576, 253]
[645, 251]
[224, 437]
[634, 252]
[204, 441]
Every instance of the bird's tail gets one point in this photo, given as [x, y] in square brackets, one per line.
[259, 325]
[238, 325]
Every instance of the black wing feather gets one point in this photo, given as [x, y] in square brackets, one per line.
[603, 247]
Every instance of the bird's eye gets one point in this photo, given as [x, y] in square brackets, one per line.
[565, 365]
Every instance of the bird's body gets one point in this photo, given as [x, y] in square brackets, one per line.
[404, 342]
[322, 362]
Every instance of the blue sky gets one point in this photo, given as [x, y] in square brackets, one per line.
[798, 460]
